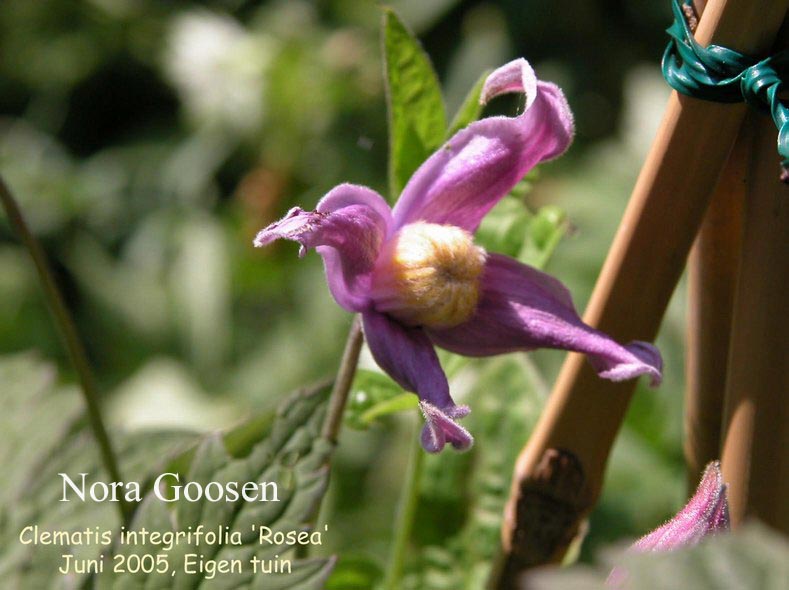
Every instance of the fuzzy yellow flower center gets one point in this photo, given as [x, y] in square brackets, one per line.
[429, 275]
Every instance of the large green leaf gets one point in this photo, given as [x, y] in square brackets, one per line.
[753, 558]
[34, 421]
[294, 457]
[46, 435]
[505, 229]
[417, 118]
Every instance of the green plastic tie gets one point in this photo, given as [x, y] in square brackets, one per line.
[720, 74]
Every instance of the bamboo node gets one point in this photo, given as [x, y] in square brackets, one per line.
[549, 506]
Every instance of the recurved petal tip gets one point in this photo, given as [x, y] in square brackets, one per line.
[515, 76]
[289, 227]
[480, 164]
[646, 360]
[347, 230]
[552, 107]
[441, 428]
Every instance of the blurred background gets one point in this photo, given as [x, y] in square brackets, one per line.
[148, 141]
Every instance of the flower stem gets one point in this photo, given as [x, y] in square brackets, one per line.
[342, 384]
[68, 332]
[406, 513]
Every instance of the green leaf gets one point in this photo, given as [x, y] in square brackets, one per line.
[417, 118]
[374, 396]
[294, 457]
[371, 394]
[399, 403]
[506, 228]
[512, 229]
[36, 566]
[30, 408]
[463, 495]
[45, 433]
[471, 108]
[355, 572]
[752, 558]
[546, 230]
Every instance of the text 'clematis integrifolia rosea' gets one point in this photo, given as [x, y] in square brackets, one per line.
[418, 279]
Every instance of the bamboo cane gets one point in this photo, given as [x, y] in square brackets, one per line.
[563, 463]
[712, 274]
[755, 457]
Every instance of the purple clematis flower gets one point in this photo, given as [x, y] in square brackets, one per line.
[417, 278]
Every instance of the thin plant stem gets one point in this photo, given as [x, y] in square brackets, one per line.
[70, 336]
[406, 514]
[342, 384]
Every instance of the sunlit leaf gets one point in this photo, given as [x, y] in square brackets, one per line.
[417, 119]
[394, 405]
[506, 228]
[374, 395]
[545, 231]
[471, 108]
[354, 572]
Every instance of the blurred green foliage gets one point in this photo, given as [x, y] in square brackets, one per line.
[754, 556]
[147, 142]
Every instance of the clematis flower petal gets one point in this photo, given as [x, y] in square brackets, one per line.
[347, 230]
[440, 428]
[522, 308]
[407, 355]
[479, 165]
[707, 512]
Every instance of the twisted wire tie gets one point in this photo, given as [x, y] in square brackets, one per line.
[720, 74]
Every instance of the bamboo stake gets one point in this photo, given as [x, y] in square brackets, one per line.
[755, 457]
[712, 274]
[640, 273]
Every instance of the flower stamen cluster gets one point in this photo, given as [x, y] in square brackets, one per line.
[429, 275]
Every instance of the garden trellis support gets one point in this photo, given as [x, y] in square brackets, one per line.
[712, 279]
[755, 435]
[559, 474]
